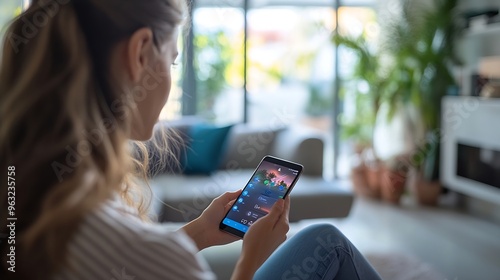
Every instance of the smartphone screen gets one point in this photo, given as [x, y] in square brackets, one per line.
[272, 180]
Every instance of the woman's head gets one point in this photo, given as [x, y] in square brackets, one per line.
[77, 79]
[136, 48]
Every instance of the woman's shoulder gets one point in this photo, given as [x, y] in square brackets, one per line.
[112, 239]
[114, 220]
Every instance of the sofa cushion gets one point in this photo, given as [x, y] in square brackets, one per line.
[247, 145]
[302, 145]
[205, 148]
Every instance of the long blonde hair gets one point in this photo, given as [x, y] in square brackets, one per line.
[64, 124]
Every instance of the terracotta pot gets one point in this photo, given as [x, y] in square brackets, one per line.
[360, 182]
[373, 175]
[425, 192]
[392, 185]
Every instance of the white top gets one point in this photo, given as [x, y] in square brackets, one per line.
[112, 244]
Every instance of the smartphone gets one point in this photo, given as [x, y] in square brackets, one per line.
[273, 179]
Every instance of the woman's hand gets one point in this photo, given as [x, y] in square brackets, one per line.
[204, 230]
[262, 238]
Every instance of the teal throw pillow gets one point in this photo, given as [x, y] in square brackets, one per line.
[207, 144]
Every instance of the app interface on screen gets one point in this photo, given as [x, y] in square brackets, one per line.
[268, 184]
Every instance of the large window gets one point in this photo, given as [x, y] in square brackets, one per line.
[218, 63]
[289, 63]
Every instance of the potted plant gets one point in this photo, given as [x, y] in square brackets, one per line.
[365, 166]
[370, 175]
[423, 178]
[423, 42]
[411, 70]
[394, 178]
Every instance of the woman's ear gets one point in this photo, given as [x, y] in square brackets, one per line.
[139, 51]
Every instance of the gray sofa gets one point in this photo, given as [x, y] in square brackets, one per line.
[180, 198]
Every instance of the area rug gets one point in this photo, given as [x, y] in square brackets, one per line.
[401, 266]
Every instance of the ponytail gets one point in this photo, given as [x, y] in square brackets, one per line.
[46, 102]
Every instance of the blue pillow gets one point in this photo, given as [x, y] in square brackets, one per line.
[205, 148]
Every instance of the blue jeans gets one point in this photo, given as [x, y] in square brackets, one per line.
[318, 252]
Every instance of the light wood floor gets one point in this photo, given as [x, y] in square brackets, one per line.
[456, 244]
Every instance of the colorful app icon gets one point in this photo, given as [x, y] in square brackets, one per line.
[240, 200]
[245, 193]
[235, 208]
[266, 182]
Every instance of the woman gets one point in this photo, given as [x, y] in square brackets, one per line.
[78, 80]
